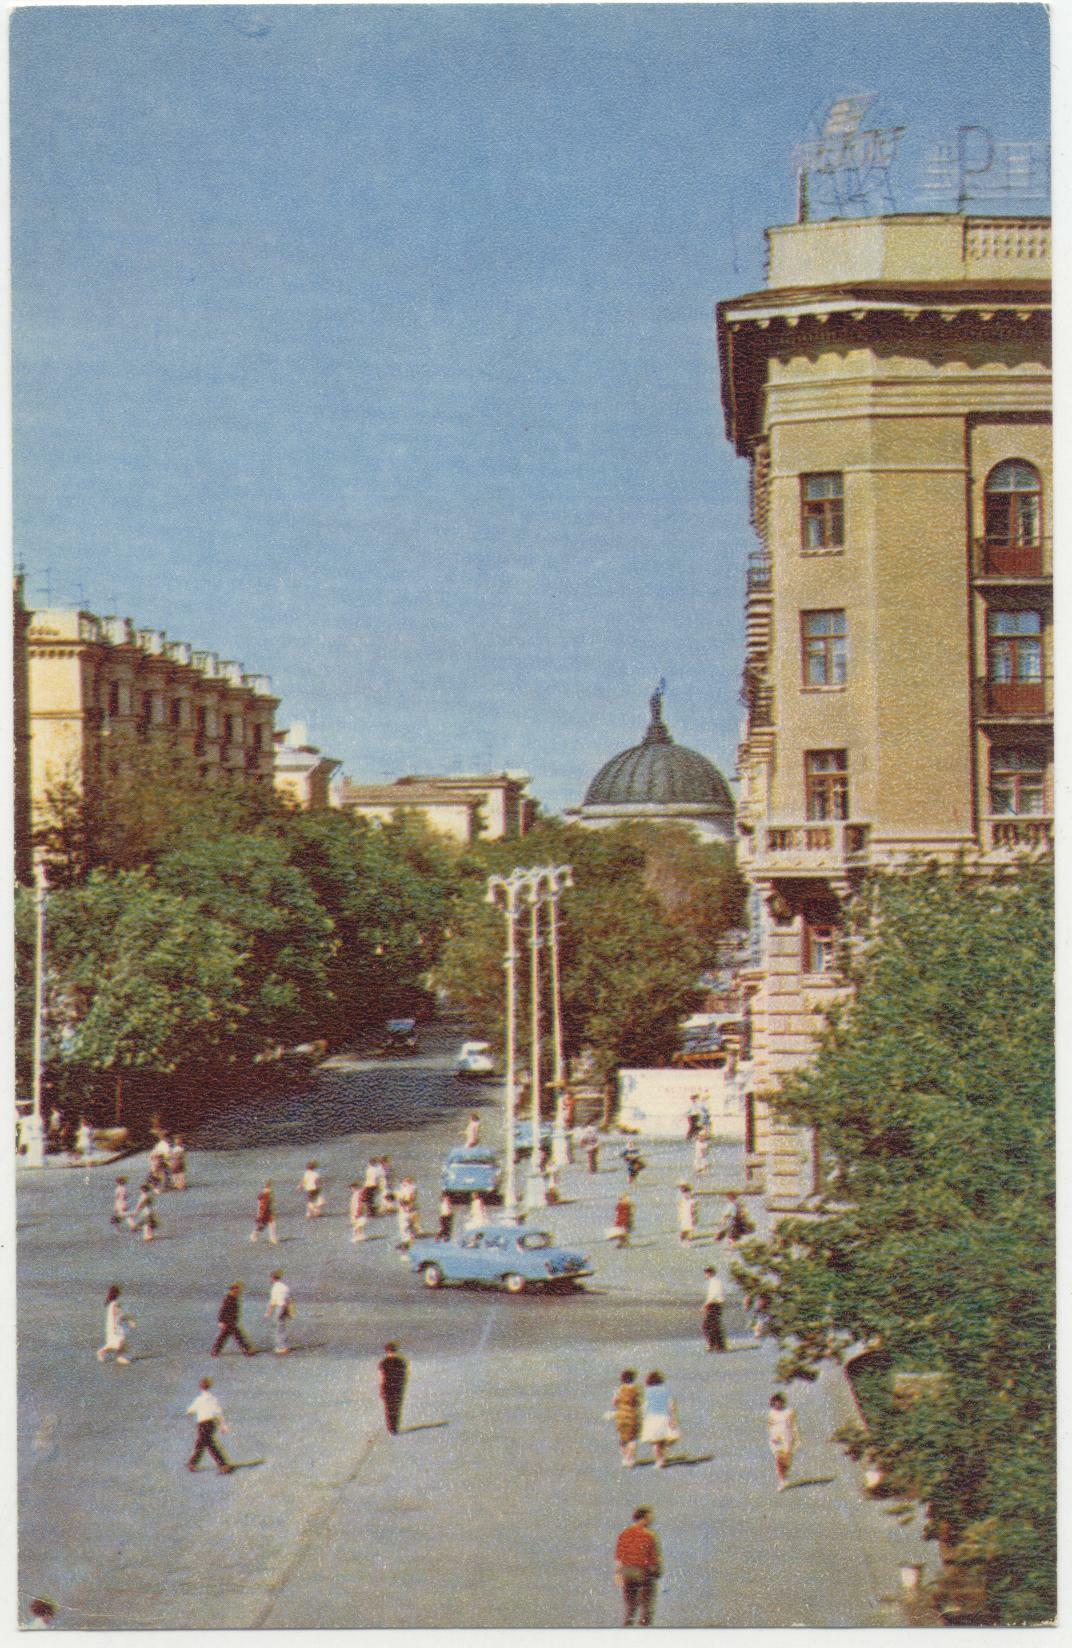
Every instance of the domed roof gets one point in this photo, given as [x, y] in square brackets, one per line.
[658, 771]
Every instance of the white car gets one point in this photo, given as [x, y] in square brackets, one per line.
[474, 1060]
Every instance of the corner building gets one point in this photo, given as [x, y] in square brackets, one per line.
[891, 391]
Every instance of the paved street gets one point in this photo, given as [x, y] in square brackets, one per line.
[500, 1502]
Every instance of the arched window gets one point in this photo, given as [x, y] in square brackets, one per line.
[1014, 505]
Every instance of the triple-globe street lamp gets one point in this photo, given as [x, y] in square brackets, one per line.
[538, 885]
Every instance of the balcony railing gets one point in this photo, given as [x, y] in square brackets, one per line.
[813, 847]
[1020, 831]
[1014, 700]
[758, 572]
[997, 560]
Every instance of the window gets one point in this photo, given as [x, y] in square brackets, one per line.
[176, 712]
[826, 784]
[822, 512]
[1017, 780]
[1014, 646]
[113, 698]
[824, 648]
[818, 946]
[1013, 504]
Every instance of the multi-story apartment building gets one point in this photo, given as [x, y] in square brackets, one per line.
[891, 391]
[97, 687]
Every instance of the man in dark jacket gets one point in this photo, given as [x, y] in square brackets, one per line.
[228, 1322]
[394, 1371]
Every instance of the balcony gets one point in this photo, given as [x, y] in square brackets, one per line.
[1019, 832]
[758, 572]
[1014, 700]
[1031, 563]
[811, 849]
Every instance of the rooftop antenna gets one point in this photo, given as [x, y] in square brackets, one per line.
[843, 165]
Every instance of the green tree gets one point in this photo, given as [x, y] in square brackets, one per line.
[628, 972]
[246, 884]
[933, 1097]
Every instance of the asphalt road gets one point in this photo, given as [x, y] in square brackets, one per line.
[500, 1502]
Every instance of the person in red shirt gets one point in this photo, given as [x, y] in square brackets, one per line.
[637, 1566]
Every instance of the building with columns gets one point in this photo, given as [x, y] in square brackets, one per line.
[98, 687]
[890, 388]
[302, 773]
[491, 806]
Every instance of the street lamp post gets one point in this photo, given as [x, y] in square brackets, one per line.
[510, 887]
[558, 876]
[33, 1127]
[535, 1184]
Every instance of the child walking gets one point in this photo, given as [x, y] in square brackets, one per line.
[265, 1219]
[120, 1205]
[312, 1184]
[783, 1436]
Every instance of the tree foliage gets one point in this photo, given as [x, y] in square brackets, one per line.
[644, 915]
[932, 1094]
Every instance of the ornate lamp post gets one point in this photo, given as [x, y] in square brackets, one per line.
[557, 876]
[535, 1184]
[510, 888]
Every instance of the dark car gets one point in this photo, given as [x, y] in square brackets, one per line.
[400, 1038]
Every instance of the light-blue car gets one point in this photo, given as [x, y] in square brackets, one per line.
[502, 1255]
[523, 1135]
[469, 1169]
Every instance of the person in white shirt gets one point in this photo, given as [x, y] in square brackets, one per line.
[686, 1213]
[115, 1329]
[120, 1206]
[358, 1217]
[314, 1196]
[477, 1218]
[160, 1162]
[711, 1322]
[83, 1142]
[280, 1309]
[209, 1415]
[472, 1131]
[783, 1436]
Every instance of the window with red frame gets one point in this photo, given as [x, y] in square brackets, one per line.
[826, 785]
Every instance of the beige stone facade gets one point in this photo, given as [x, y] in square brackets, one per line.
[491, 806]
[98, 686]
[302, 774]
[891, 390]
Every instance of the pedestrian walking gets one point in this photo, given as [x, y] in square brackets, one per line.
[477, 1217]
[394, 1374]
[446, 1217]
[177, 1164]
[280, 1310]
[783, 1436]
[55, 1127]
[686, 1212]
[83, 1143]
[693, 1117]
[633, 1160]
[626, 1410]
[159, 1157]
[551, 1183]
[384, 1187]
[265, 1219]
[407, 1225]
[144, 1214]
[621, 1229]
[711, 1321]
[700, 1159]
[735, 1223]
[472, 1131]
[588, 1139]
[228, 1322]
[115, 1329]
[661, 1426]
[312, 1184]
[638, 1565]
[209, 1415]
[120, 1205]
[358, 1216]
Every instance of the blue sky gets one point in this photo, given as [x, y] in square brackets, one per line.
[373, 346]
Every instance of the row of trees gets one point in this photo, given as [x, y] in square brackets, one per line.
[933, 1098]
[192, 925]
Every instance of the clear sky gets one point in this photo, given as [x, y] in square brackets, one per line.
[373, 346]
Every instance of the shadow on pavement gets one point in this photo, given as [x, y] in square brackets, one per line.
[810, 1482]
[429, 1425]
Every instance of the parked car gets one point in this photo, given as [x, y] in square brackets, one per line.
[400, 1038]
[523, 1135]
[501, 1255]
[470, 1168]
[474, 1061]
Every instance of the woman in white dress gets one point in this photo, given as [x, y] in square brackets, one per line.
[661, 1426]
[477, 1218]
[115, 1329]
